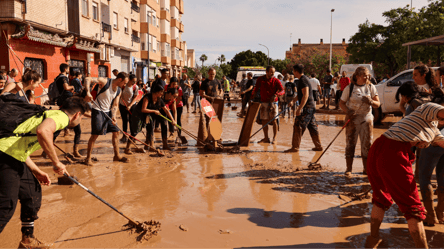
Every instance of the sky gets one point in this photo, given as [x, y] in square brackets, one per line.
[215, 27]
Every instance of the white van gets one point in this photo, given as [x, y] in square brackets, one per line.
[351, 68]
[253, 70]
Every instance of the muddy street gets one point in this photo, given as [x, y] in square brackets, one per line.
[259, 198]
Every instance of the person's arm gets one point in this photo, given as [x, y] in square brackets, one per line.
[45, 136]
[41, 176]
[134, 98]
[305, 94]
[145, 105]
[319, 89]
[249, 89]
[9, 87]
[67, 87]
[169, 115]
[114, 108]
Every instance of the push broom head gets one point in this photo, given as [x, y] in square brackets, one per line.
[145, 230]
[314, 166]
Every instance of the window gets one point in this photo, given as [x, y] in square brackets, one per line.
[154, 19]
[143, 46]
[125, 25]
[115, 20]
[37, 65]
[103, 71]
[76, 66]
[95, 11]
[158, 46]
[85, 7]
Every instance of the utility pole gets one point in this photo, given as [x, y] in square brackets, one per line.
[331, 34]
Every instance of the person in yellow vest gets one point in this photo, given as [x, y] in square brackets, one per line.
[226, 84]
[19, 175]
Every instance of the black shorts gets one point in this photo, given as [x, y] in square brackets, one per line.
[100, 124]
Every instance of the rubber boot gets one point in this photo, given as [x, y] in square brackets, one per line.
[364, 164]
[349, 161]
[430, 219]
[440, 208]
[76, 151]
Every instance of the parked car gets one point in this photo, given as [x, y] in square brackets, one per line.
[387, 91]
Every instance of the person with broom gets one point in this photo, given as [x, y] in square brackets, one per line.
[29, 128]
[304, 113]
[128, 99]
[357, 100]
[104, 113]
[178, 109]
[147, 113]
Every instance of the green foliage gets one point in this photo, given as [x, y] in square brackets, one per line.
[203, 58]
[221, 70]
[317, 61]
[383, 44]
[280, 65]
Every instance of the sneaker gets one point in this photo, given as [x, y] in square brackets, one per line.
[35, 243]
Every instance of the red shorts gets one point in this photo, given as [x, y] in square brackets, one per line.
[391, 176]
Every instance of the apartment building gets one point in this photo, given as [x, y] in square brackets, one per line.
[161, 30]
[93, 36]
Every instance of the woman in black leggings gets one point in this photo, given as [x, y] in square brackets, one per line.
[178, 110]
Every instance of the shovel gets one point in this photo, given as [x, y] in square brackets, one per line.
[145, 229]
[316, 165]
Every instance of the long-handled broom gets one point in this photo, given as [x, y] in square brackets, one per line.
[146, 229]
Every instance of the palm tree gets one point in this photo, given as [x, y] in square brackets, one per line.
[222, 59]
[203, 58]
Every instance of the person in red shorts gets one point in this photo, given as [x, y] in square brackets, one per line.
[390, 169]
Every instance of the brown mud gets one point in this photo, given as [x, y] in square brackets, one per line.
[259, 198]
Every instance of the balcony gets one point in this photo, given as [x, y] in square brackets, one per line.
[106, 27]
[181, 27]
[181, 11]
[175, 23]
[175, 43]
[165, 15]
[135, 7]
[135, 39]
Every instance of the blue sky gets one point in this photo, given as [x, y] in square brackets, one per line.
[215, 27]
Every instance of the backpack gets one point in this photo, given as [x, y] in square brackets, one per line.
[289, 89]
[53, 91]
[13, 112]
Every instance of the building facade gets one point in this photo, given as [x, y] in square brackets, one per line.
[300, 49]
[92, 36]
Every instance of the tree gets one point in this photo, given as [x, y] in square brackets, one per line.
[222, 59]
[247, 58]
[226, 69]
[317, 62]
[280, 65]
[383, 44]
[203, 58]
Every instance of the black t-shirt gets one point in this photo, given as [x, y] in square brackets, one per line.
[327, 78]
[289, 89]
[303, 83]
[157, 106]
[250, 83]
[196, 86]
[61, 79]
[77, 85]
[211, 87]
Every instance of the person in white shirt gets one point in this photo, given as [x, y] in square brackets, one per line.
[316, 88]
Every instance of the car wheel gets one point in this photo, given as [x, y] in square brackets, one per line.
[378, 116]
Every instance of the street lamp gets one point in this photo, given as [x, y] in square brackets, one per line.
[331, 34]
[268, 57]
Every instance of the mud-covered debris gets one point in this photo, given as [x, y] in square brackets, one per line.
[225, 231]
[183, 228]
[145, 230]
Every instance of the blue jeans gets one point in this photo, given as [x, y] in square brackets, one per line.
[196, 101]
[431, 158]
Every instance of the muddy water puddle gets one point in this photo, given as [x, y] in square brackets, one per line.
[260, 198]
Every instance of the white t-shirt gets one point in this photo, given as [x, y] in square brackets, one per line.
[314, 84]
[128, 94]
[355, 101]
